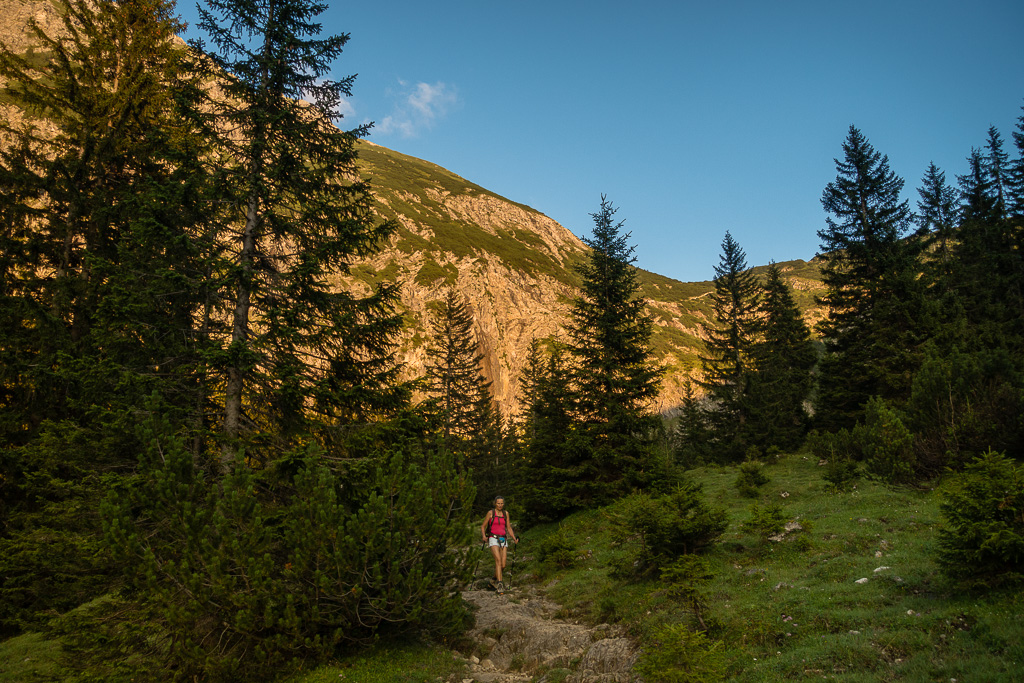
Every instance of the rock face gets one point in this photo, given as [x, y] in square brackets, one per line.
[524, 638]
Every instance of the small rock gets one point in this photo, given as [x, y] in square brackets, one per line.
[784, 494]
[881, 569]
[878, 553]
[864, 580]
[854, 633]
[473, 659]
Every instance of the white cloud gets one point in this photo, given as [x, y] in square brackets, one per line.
[418, 107]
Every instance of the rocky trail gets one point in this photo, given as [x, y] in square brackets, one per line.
[518, 639]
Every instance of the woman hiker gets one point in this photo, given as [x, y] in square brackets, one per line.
[497, 527]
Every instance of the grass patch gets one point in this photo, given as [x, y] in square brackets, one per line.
[798, 608]
[405, 663]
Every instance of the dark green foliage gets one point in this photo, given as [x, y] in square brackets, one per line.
[558, 549]
[686, 578]
[98, 283]
[877, 316]
[977, 200]
[659, 529]
[299, 355]
[264, 567]
[730, 339]
[782, 359]
[765, 521]
[691, 439]
[614, 378]
[963, 404]
[678, 654]
[454, 381]
[885, 444]
[981, 540]
[996, 170]
[1015, 175]
[835, 452]
[937, 218]
[750, 477]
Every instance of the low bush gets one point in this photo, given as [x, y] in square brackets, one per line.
[679, 655]
[659, 529]
[750, 478]
[558, 549]
[981, 540]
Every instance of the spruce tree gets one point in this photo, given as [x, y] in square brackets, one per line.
[615, 376]
[977, 200]
[996, 170]
[296, 216]
[1015, 175]
[782, 359]
[729, 338]
[454, 381]
[558, 465]
[98, 280]
[937, 214]
[876, 314]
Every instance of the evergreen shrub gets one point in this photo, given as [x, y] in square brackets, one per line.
[259, 568]
[835, 451]
[886, 445]
[660, 529]
[765, 521]
[679, 655]
[750, 478]
[981, 539]
[558, 550]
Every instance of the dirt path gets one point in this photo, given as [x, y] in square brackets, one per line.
[519, 639]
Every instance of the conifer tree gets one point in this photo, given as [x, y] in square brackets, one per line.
[730, 338]
[996, 170]
[297, 216]
[454, 381]
[557, 460]
[98, 279]
[782, 360]
[615, 377]
[977, 201]
[1015, 175]
[937, 213]
[876, 313]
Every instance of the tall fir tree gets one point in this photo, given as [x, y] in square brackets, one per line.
[615, 376]
[996, 170]
[876, 313]
[977, 200]
[937, 215]
[454, 380]
[554, 478]
[99, 280]
[730, 337]
[782, 357]
[296, 216]
[1015, 176]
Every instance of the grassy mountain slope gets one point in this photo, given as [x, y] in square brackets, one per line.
[515, 266]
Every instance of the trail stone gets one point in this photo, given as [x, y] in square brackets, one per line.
[533, 639]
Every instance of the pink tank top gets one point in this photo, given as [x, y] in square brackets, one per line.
[497, 526]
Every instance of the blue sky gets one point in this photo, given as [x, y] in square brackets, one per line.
[693, 117]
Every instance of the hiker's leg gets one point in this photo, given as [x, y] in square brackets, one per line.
[504, 556]
[496, 552]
